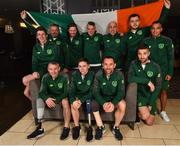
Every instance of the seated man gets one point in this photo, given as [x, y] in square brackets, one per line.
[80, 93]
[109, 91]
[54, 90]
[146, 74]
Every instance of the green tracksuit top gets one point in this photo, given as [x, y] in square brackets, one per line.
[42, 56]
[81, 88]
[57, 88]
[92, 47]
[162, 52]
[133, 40]
[109, 90]
[114, 46]
[73, 51]
[142, 77]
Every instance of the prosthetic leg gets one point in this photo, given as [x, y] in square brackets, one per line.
[89, 136]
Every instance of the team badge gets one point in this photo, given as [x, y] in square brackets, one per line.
[114, 83]
[96, 38]
[58, 42]
[117, 41]
[87, 38]
[139, 32]
[104, 83]
[38, 52]
[88, 82]
[161, 46]
[49, 51]
[51, 85]
[149, 73]
[77, 42]
[79, 83]
[130, 37]
[60, 85]
[107, 41]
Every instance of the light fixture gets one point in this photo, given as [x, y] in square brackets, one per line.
[9, 29]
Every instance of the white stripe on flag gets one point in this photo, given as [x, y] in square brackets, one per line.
[101, 20]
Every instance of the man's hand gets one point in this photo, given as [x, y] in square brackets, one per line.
[108, 107]
[50, 102]
[151, 86]
[76, 104]
[167, 4]
[36, 75]
[168, 77]
[23, 14]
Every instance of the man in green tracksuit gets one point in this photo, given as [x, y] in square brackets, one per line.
[113, 45]
[54, 90]
[135, 35]
[92, 45]
[109, 92]
[74, 47]
[162, 52]
[147, 75]
[80, 94]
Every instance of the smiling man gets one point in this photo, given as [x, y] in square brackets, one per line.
[147, 75]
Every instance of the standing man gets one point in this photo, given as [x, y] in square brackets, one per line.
[135, 35]
[80, 92]
[113, 45]
[43, 53]
[109, 92]
[146, 74]
[54, 90]
[92, 46]
[74, 50]
[162, 52]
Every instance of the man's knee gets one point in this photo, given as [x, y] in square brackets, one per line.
[65, 103]
[122, 106]
[94, 106]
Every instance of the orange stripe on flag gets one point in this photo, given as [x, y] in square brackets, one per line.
[148, 14]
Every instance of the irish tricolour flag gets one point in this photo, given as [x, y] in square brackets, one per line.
[148, 13]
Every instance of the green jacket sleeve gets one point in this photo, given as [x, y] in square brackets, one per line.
[163, 15]
[170, 57]
[96, 91]
[72, 90]
[120, 90]
[65, 89]
[157, 85]
[62, 49]
[133, 78]
[34, 60]
[43, 89]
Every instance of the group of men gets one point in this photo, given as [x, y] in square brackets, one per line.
[94, 64]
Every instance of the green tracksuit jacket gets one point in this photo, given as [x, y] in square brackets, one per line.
[108, 90]
[92, 47]
[142, 77]
[81, 88]
[114, 46]
[57, 88]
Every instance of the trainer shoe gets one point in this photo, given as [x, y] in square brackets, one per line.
[65, 133]
[36, 134]
[76, 132]
[99, 132]
[117, 133]
[89, 136]
[164, 116]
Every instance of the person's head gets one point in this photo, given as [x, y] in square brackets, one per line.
[112, 27]
[156, 29]
[72, 30]
[53, 69]
[143, 53]
[54, 30]
[91, 28]
[134, 21]
[83, 66]
[108, 64]
[41, 35]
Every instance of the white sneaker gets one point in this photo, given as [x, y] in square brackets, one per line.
[164, 116]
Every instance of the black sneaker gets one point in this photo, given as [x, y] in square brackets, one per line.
[65, 133]
[89, 136]
[99, 132]
[117, 133]
[76, 132]
[36, 134]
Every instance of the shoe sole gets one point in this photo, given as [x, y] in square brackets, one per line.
[41, 135]
[115, 137]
